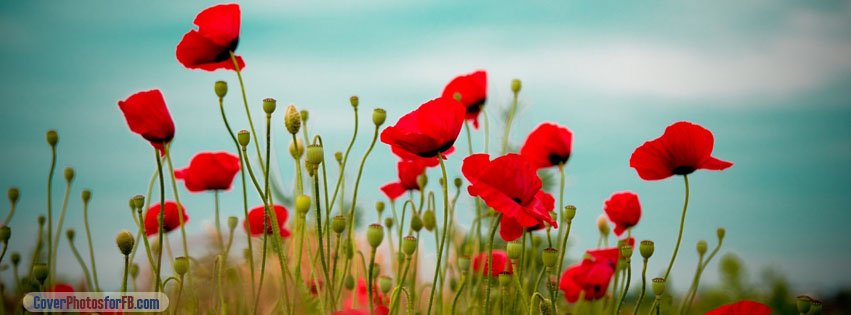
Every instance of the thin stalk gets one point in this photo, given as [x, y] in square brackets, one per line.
[144, 235]
[124, 277]
[700, 273]
[38, 245]
[49, 212]
[443, 238]
[59, 228]
[319, 231]
[487, 130]
[179, 207]
[339, 184]
[519, 288]
[370, 279]
[458, 294]
[299, 188]
[643, 287]
[9, 216]
[399, 283]
[218, 222]
[680, 234]
[562, 250]
[161, 230]
[508, 123]
[626, 287]
[691, 289]
[76, 255]
[247, 112]
[490, 262]
[179, 292]
[357, 184]
[91, 248]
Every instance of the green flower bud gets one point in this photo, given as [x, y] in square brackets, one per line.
[41, 220]
[603, 225]
[13, 193]
[315, 154]
[379, 206]
[52, 137]
[549, 256]
[569, 213]
[338, 156]
[463, 262]
[385, 284]
[296, 154]
[721, 232]
[16, 258]
[458, 182]
[354, 101]
[303, 114]
[409, 245]
[221, 88]
[388, 223]
[658, 286]
[139, 200]
[302, 204]
[429, 220]
[514, 249]
[422, 180]
[243, 137]
[701, 247]
[626, 251]
[375, 234]
[536, 241]
[815, 308]
[338, 224]
[292, 119]
[70, 233]
[546, 307]
[349, 283]
[69, 174]
[86, 195]
[504, 278]
[804, 303]
[232, 222]
[181, 265]
[378, 116]
[5, 233]
[416, 223]
[516, 85]
[125, 242]
[40, 272]
[646, 248]
[269, 105]
[133, 269]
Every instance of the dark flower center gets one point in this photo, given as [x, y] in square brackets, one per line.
[442, 148]
[683, 170]
[475, 108]
[518, 201]
[556, 159]
[225, 53]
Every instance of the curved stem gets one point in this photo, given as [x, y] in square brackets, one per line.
[79, 260]
[161, 229]
[443, 238]
[9, 216]
[179, 292]
[400, 284]
[262, 265]
[626, 288]
[91, 248]
[458, 294]
[343, 164]
[59, 228]
[357, 184]
[643, 288]
[247, 111]
[180, 217]
[319, 231]
[49, 211]
[562, 250]
[144, 236]
[490, 263]
[508, 123]
[680, 234]
[538, 280]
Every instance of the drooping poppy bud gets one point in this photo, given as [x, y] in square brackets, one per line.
[385, 284]
[349, 283]
[375, 235]
[124, 240]
[429, 220]
[221, 88]
[416, 223]
[70, 233]
[5, 233]
[721, 232]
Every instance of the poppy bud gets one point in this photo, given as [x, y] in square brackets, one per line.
[292, 119]
[549, 256]
[701, 247]
[70, 234]
[13, 194]
[516, 85]
[69, 174]
[646, 248]
[134, 270]
[40, 272]
[388, 223]
[338, 224]
[416, 223]
[547, 307]
[315, 154]
[504, 278]
[458, 182]
[422, 180]
[536, 241]
[296, 154]
[626, 251]
[269, 105]
[125, 242]
[815, 307]
[132, 204]
[409, 245]
[378, 116]
[41, 220]
[52, 137]
[379, 206]
[658, 286]
[303, 114]
[569, 213]
[5, 233]
[86, 195]
[514, 249]
[603, 225]
[385, 283]
[221, 88]
[302, 204]
[181, 265]
[429, 220]
[338, 156]
[243, 137]
[804, 303]
[354, 101]
[16, 258]
[721, 232]
[375, 234]
[463, 262]
[232, 222]
[349, 283]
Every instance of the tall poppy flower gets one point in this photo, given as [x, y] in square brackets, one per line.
[408, 173]
[682, 149]
[590, 275]
[511, 186]
[742, 307]
[257, 215]
[209, 171]
[473, 89]
[428, 162]
[210, 46]
[61, 287]
[147, 115]
[430, 129]
[377, 310]
[500, 263]
[171, 219]
[623, 210]
[548, 145]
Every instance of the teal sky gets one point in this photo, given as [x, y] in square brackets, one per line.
[769, 78]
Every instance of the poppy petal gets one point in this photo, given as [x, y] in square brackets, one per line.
[742, 307]
[393, 190]
[219, 23]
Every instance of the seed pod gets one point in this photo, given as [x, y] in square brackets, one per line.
[804, 303]
[378, 116]
[375, 235]
[514, 249]
[52, 137]
[243, 137]
[458, 182]
[40, 272]
[569, 213]
[463, 262]
[302, 204]
[354, 101]
[125, 240]
[504, 278]
[315, 154]
[409, 245]
[139, 200]
[338, 224]
[549, 256]
[658, 286]
[646, 248]
[385, 284]
[86, 195]
[232, 222]
[626, 251]
[269, 105]
[221, 88]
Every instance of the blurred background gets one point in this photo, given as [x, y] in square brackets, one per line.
[769, 78]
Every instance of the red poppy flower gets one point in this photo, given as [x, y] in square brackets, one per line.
[623, 210]
[500, 263]
[377, 310]
[682, 149]
[473, 88]
[147, 115]
[209, 47]
[511, 186]
[258, 214]
[548, 145]
[312, 285]
[742, 307]
[590, 275]
[430, 129]
[171, 219]
[61, 287]
[209, 171]
[408, 173]
[428, 162]
[362, 295]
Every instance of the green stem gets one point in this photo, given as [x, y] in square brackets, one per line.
[399, 284]
[490, 263]
[443, 238]
[643, 287]
[262, 265]
[680, 234]
[369, 279]
[161, 230]
[220, 266]
[339, 184]
[508, 123]
[692, 287]
[144, 235]
[538, 280]
[247, 112]
[230, 242]
[469, 138]
[357, 184]
[91, 248]
[124, 277]
[487, 130]
[50, 212]
[299, 182]
[319, 231]
[626, 288]
[76, 255]
[458, 294]
[519, 288]
[9, 216]
[59, 229]
[38, 245]
[700, 273]
[562, 250]
[179, 292]
[218, 222]
[179, 207]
